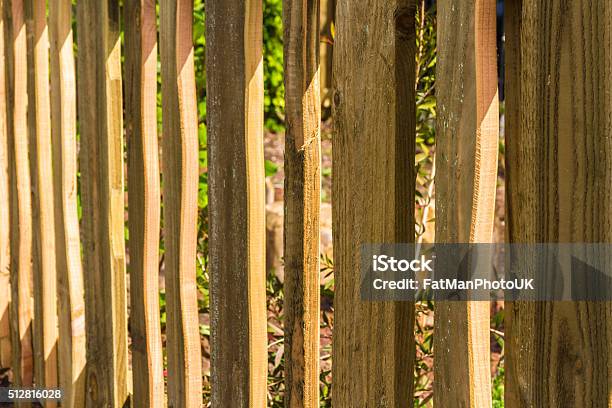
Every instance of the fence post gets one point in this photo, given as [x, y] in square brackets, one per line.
[101, 128]
[373, 195]
[467, 145]
[559, 167]
[180, 175]
[234, 72]
[71, 316]
[21, 203]
[5, 243]
[302, 197]
[144, 201]
[45, 278]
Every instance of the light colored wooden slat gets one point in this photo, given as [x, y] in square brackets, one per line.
[468, 132]
[5, 247]
[21, 202]
[302, 202]
[180, 175]
[559, 168]
[234, 73]
[144, 202]
[71, 343]
[101, 128]
[373, 195]
[45, 327]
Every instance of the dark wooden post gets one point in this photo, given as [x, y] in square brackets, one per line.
[144, 201]
[234, 73]
[559, 166]
[101, 128]
[373, 195]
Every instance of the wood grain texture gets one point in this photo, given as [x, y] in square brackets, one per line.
[467, 145]
[45, 328]
[236, 203]
[71, 307]
[20, 193]
[5, 245]
[101, 128]
[144, 201]
[180, 175]
[302, 202]
[373, 195]
[559, 166]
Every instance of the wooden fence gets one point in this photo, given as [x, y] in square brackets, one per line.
[63, 277]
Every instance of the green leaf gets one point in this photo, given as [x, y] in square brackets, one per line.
[271, 168]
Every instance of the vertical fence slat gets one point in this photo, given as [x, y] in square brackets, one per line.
[559, 166]
[373, 195]
[45, 278]
[100, 119]
[234, 71]
[180, 175]
[21, 203]
[5, 247]
[302, 196]
[71, 316]
[144, 201]
[468, 130]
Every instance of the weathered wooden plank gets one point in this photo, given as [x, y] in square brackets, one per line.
[101, 127]
[5, 247]
[180, 175]
[20, 192]
[234, 73]
[302, 201]
[373, 195]
[71, 308]
[559, 166]
[466, 149]
[45, 329]
[144, 201]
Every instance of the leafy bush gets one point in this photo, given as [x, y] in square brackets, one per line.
[274, 94]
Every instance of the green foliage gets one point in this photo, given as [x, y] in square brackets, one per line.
[426, 77]
[276, 351]
[498, 389]
[425, 113]
[274, 96]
